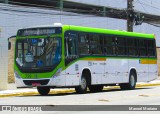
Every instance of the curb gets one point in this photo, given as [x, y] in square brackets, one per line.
[68, 91]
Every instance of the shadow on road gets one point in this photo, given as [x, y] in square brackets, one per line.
[88, 92]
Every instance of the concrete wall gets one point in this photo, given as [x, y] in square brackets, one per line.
[11, 61]
[3, 64]
[158, 61]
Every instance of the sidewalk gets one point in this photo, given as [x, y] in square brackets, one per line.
[33, 91]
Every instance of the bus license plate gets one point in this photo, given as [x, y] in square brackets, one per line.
[36, 84]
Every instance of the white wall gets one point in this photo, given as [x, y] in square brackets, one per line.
[12, 21]
[148, 6]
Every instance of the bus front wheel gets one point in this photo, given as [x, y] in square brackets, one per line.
[82, 88]
[43, 90]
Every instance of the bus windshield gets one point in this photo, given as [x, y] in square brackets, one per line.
[38, 52]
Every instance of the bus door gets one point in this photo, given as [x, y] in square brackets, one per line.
[72, 76]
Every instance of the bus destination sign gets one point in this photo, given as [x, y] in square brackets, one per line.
[39, 31]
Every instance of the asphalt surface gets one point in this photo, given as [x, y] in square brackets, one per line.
[33, 91]
[144, 94]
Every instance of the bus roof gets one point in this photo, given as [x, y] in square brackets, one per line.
[97, 30]
[44, 26]
[108, 31]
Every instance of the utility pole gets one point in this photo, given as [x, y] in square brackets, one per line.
[6, 1]
[61, 5]
[130, 15]
[104, 11]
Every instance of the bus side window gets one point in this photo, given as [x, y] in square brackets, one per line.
[108, 49]
[114, 45]
[151, 48]
[83, 44]
[96, 44]
[142, 48]
[121, 46]
[71, 41]
[132, 47]
[70, 47]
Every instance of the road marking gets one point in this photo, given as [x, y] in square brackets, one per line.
[104, 100]
[149, 95]
[144, 95]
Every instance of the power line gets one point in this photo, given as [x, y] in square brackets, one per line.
[66, 12]
[33, 5]
[56, 12]
[91, 11]
[145, 3]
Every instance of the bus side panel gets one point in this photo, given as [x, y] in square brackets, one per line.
[57, 81]
[97, 71]
[73, 73]
[115, 71]
[153, 71]
[141, 69]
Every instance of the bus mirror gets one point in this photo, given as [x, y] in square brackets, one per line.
[9, 45]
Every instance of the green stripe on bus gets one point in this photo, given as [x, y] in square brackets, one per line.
[107, 31]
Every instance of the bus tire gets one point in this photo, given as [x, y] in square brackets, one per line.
[82, 88]
[132, 82]
[43, 90]
[96, 88]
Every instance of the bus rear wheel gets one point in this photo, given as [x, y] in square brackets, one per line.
[96, 88]
[131, 84]
[82, 88]
[43, 90]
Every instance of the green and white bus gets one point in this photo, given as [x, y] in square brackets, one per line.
[69, 56]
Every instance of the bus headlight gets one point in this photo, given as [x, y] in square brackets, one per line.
[16, 75]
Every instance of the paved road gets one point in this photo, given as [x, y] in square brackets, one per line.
[140, 96]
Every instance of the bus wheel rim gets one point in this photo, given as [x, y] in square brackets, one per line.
[132, 81]
[83, 83]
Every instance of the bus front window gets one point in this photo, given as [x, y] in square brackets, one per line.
[38, 52]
